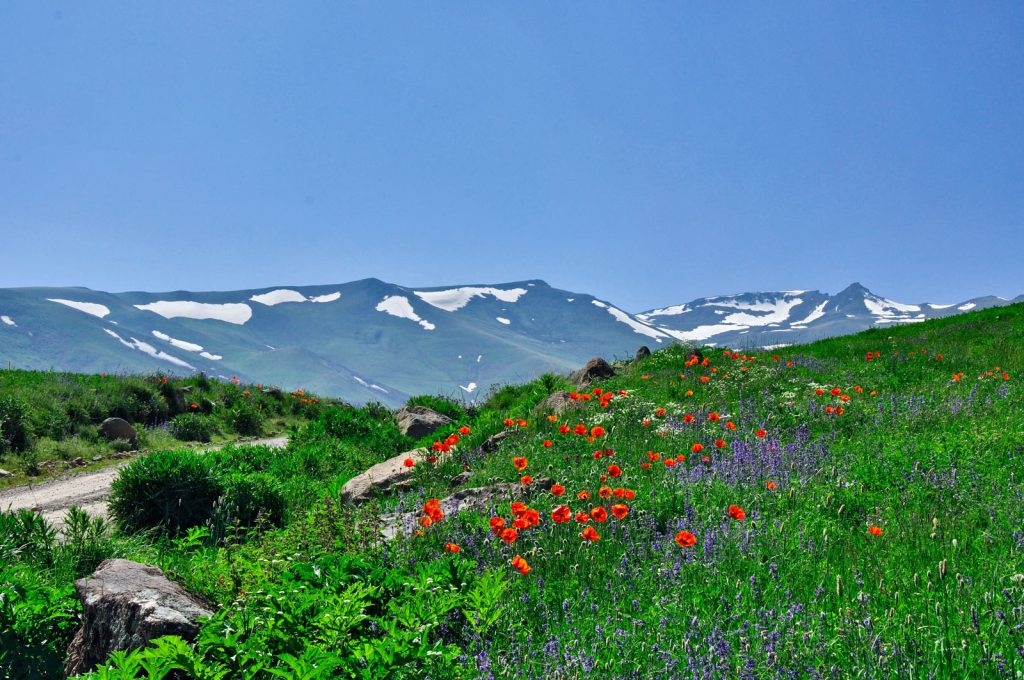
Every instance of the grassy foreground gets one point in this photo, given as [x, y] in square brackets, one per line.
[850, 508]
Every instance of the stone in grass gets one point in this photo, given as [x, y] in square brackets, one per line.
[643, 353]
[383, 476]
[420, 421]
[125, 605]
[117, 428]
[596, 369]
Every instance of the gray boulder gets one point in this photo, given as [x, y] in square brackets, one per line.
[557, 403]
[643, 352]
[596, 369]
[382, 476]
[419, 421]
[116, 428]
[125, 605]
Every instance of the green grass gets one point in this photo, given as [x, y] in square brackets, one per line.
[798, 588]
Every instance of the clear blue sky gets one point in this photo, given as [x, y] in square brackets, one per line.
[646, 152]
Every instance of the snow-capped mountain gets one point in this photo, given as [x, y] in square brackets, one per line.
[794, 316]
[371, 340]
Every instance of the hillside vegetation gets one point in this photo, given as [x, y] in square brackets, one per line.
[848, 508]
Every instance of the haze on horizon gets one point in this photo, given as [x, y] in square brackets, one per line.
[646, 154]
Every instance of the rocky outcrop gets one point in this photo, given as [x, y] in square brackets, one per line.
[492, 443]
[476, 498]
[125, 605]
[596, 369]
[116, 428]
[557, 403]
[419, 421]
[382, 476]
[643, 353]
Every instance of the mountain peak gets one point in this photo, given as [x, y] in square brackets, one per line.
[855, 288]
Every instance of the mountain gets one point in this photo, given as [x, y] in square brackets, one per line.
[795, 316]
[370, 340]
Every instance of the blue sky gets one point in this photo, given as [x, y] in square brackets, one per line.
[648, 153]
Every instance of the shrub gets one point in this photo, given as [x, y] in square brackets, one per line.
[167, 490]
[248, 497]
[15, 434]
[443, 405]
[246, 420]
[373, 429]
[191, 427]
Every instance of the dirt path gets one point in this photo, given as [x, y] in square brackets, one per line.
[88, 491]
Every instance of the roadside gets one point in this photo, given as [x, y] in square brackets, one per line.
[87, 490]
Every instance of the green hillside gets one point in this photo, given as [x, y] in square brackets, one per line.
[848, 508]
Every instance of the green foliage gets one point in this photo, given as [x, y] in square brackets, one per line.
[191, 427]
[36, 624]
[246, 420]
[250, 498]
[372, 428]
[166, 490]
[442, 405]
[15, 435]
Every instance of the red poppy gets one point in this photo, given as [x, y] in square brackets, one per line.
[605, 492]
[580, 429]
[452, 548]
[520, 565]
[425, 521]
[520, 523]
[557, 489]
[582, 517]
[770, 486]
[497, 524]
[655, 457]
[761, 434]
[736, 512]
[614, 470]
[720, 443]
[819, 392]
[563, 429]
[731, 425]
[685, 539]
[836, 391]
[620, 510]
[552, 419]
[519, 463]
[713, 416]
[521, 423]
[509, 535]
[697, 448]
[645, 466]
[597, 431]
[526, 479]
[548, 443]
[508, 422]
[408, 462]
[464, 430]
[590, 534]
[583, 495]
[599, 514]
[670, 462]
[659, 412]
[875, 531]
[561, 514]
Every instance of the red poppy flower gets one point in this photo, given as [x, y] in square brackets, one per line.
[620, 510]
[713, 416]
[614, 470]
[599, 514]
[561, 514]
[659, 412]
[563, 429]
[761, 434]
[654, 457]
[408, 462]
[731, 425]
[605, 492]
[836, 391]
[508, 422]
[875, 531]
[583, 495]
[509, 535]
[552, 419]
[425, 521]
[645, 466]
[497, 524]
[580, 429]
[464, 430]
[819, 392]
[521, 423]
[770, 486]
[520, 565]
[519, 462]
[582, 517]
[520, 523]
[452, 548]
[697, 448]
[685, 539]
[736, 512]
[720, 443]
[597, 431]
[646, 422]
[548, 443]
[557, 489]
[670, 462]
[526, 479]
[704, 379]
[590, 534]
[629, 494]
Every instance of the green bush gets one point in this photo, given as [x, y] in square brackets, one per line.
[373, 429]
[15, 433]
[250, 497]
[246, 420]
[442, 405]
[166, 490]
[191, 427]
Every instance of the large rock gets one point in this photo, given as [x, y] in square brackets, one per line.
[557, 403]
[643, 353]
[125, 605]
[382, 476]
[492, 443]
[116, 428]
[596, 369]
[420, 421]
[479, 499]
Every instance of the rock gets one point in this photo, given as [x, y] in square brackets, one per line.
[557, 403]
[596, 369]
[5, 473]
[125, 605]
[643, 353]
[97, 459]
[381, 476]
[484, 498]
[490, 444]
[176, 400]
[461, 478]
[77, 462]
[420, 421]
[274, 393]
[116, 428]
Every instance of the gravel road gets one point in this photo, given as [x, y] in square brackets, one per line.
[88, 490]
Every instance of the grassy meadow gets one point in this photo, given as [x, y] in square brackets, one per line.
[848, 508]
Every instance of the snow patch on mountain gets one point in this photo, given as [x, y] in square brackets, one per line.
[276, 297]
[147, 348]
[8, 321]
[966, 306]
[621, 316]
[93, 308]
[329, 297]
[674, 310]
[818, 312]
[934, 306]
[503, 320]
[457, 298]
[180, 344]
[232, 312]
[398, 305]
